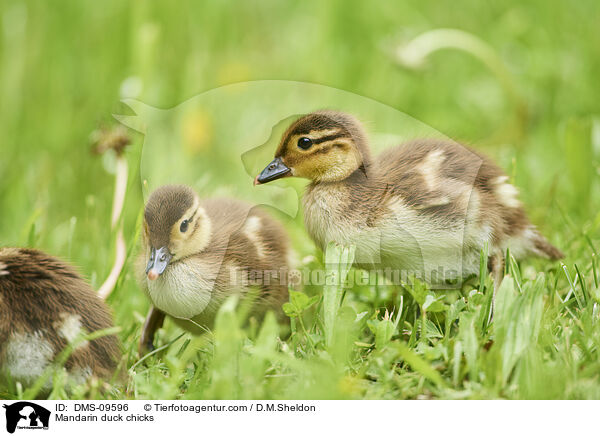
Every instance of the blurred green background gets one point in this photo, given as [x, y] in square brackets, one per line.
[66, 66]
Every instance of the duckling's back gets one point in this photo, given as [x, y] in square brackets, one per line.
[44, 306]
[255, 241]
[452, 184]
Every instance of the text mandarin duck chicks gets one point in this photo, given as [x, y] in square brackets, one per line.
[425, 207]
[44, 306]
[196, 253]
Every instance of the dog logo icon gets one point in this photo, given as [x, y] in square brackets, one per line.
[26, 415]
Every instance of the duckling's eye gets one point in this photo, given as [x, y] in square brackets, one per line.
[305, 143]
[184, 226]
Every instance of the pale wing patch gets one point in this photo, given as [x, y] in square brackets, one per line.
[252, 228]
[430, 168]
[3, 269]
[506, 193]
[70, 327]
[441, 200]
[446, 189]
[27, 355]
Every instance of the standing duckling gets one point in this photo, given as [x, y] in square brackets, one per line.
[198, 252]
[426, 207]
[44, 306]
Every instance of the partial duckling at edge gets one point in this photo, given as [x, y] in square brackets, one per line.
[44, 306]
[196, 253]
[426, 207]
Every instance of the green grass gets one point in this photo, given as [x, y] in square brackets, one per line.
[66, 66]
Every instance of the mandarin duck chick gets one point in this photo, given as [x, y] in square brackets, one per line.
[196, 253]
[44, 306]
[426, 207]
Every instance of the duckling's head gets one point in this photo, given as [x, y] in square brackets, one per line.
[323, 146]
[175, 226]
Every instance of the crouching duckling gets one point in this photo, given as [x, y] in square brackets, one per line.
[44, 306]
[426, 207]
[196, 253]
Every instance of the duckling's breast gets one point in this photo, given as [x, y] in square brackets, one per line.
[184, 289]
[195, 287]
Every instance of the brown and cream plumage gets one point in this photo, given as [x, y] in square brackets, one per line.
[425, 207]
[198, 252]
[44, 306]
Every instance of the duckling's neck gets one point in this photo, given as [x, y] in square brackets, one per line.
[335, 211]
[359, 178]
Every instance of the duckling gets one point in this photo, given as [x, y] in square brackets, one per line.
[426, 207]
[44, 306]
[198, 252]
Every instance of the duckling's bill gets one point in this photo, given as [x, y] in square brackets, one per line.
[159, 260]
[275, 170]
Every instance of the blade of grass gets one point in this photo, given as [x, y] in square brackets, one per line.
[338, 260]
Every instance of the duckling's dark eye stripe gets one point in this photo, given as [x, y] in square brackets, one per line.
[330, 138]
[195, 222]
[327, 148]
[196, 225]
